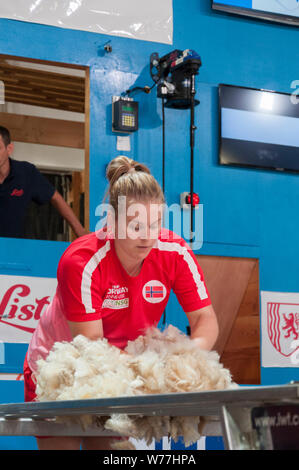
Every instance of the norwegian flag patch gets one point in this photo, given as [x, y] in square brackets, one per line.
[154, 291]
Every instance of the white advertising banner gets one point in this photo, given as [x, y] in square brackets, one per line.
[137, 19]
[280, 329]
[22, 302]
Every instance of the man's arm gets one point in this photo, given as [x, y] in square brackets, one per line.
[204, 327]
[67, 213]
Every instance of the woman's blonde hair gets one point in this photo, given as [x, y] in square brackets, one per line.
[131, 179]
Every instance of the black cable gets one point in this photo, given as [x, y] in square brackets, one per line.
[163, 168]
[192, 129]
[145, 89]
[163, 144]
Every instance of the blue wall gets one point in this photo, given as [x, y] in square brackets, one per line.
[247, 212]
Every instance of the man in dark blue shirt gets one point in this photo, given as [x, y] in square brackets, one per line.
[21, 183]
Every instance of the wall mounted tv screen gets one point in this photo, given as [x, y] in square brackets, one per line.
[258, 128]
[282, 11]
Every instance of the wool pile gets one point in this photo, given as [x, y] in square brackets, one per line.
[157, 362]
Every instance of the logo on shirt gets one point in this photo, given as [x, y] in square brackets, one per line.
[154, 291]
[17, 192]
[116, 298]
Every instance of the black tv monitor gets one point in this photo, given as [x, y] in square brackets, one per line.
[258, 128]
[282, 11]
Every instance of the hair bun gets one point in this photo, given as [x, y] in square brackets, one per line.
[121, 165]
[131, 179]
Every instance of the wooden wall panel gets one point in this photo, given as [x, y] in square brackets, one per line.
[234, 288]
[227, 279]
[242, 350]
[42, 88]
[44, 131]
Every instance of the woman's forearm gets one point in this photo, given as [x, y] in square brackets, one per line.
[204, 327]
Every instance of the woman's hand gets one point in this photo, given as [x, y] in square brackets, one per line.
[91, 329]
[204, 327]
[201, 343]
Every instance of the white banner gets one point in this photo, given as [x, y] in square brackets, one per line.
[137, 19]
[22, 302]
[280, 329]
[12, 377]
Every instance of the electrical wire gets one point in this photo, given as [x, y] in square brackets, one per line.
[145, 89]
[192, 129]
[163, 167]
[163, 144]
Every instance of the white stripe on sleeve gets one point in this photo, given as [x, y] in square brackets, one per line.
[182, 250]
[89, 269]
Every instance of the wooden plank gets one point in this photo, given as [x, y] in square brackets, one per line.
[250, 302]
[244, 366]
[234, 288]
[13, 86]
[227, 279]
[35, 82]
[4, 57]
[45, 102]
[45, 131]
[43, 88]
[242, 350]
[31, 89]
[245, 334]
[27, 73]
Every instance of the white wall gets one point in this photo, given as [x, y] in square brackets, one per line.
[49, 157]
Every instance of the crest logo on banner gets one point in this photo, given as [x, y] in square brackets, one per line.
[283, 326]
[280, 329]
[23, 300]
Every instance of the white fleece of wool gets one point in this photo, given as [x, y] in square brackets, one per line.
[155, 363]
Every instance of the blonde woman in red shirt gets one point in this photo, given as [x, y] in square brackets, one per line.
[115, 282]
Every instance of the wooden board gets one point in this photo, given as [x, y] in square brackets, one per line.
[241, 354]
[45, 131]
[234, 290]
[42, 88]
[227, 279]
